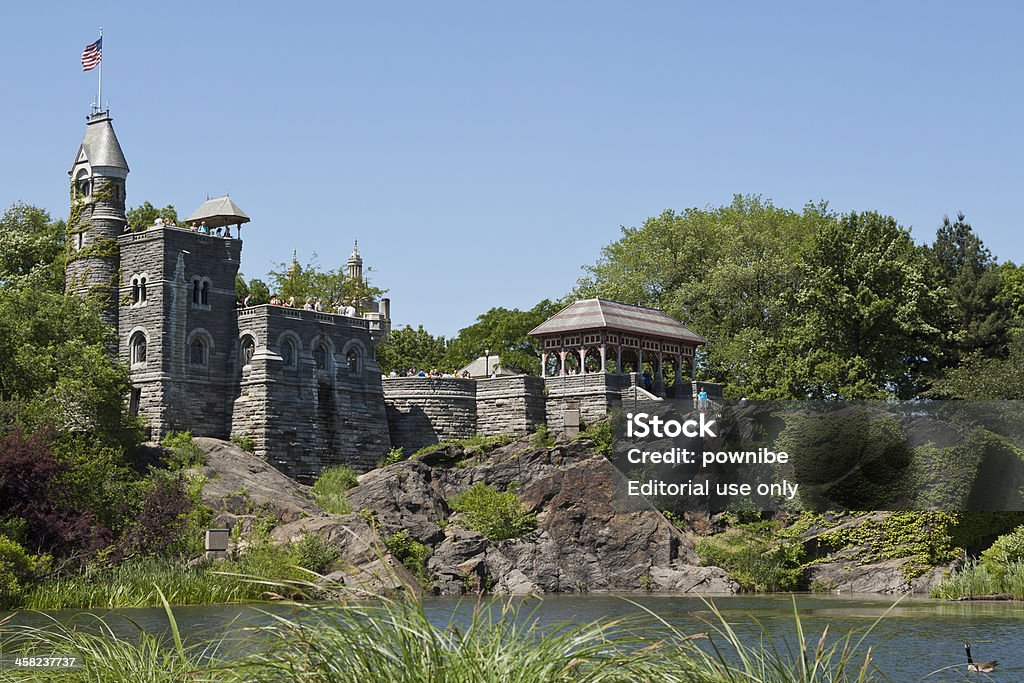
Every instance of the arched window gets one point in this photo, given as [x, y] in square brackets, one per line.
[204, 293]
[137, 348]
[320, 356]
[196, 283]
[248, 349]
[288, 353]
[83, 185]
[197, 351]
[352, 358]
[138, 290]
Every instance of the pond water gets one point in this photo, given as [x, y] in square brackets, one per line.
[915, 639]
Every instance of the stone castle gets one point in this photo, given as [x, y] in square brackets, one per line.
[303, 385]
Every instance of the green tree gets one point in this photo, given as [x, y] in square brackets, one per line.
[728, 273]
[145, 215]
[311, 282]
[258, 290]
[981, 378]
[867, 312]
[504, 332]
[406, 348]
[31, 244]
[979, 314]
[54, 366]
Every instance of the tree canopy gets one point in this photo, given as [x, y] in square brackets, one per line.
[311, 282]
[815, 304]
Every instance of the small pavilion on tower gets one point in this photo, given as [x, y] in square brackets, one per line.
[601, 336]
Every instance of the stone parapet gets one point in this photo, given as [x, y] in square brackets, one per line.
[423, 411]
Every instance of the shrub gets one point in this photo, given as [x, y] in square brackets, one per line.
[753, 559]
[162, 520]
[394, 455]
[1007, 549]
[495, 514]
[330, 487]
[411, 553]
[314, 553]
[542, 438]
[185, 452]
[599, 435]
[15, 570]
[245, 442]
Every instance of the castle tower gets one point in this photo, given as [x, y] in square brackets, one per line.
[97, 216]
[179, 330]
[355, 263]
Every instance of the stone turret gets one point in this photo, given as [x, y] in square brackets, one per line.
[355, 264]
[97, 216]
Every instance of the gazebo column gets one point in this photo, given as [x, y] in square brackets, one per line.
[679, 372]
[583, 358]
[543, 363]
[604, 355]
[618, 362]
[659, 382]
[561, 358]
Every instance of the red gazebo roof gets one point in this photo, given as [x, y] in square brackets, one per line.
[594, 314]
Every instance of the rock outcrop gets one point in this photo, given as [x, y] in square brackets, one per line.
[590, 535]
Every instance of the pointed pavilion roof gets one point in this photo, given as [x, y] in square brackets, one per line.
[596, 314]
[218, 212]
[100, 148]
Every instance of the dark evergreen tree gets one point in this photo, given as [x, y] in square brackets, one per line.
[978, 316]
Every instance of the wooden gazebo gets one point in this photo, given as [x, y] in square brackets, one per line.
[597, 335]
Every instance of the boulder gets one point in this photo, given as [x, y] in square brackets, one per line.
[239, 485]
[365, 565]
[886, 576]
[691, 579]
[403, 496]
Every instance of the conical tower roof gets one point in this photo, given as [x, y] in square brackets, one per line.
[100, 150]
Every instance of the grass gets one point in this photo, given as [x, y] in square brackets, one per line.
[384, 640]
[330, 487]
[980, 578]
[147, 582]
[184, 451]
[473, 445]
[139, 583]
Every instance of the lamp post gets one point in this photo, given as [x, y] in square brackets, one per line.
[487, 362]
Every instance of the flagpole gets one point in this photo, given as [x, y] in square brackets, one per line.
[99, 87]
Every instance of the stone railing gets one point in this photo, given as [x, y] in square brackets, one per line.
[302, 314]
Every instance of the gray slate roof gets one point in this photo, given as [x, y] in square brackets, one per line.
[597, 314]
[481, 366]
[218, 212]
[101, 145]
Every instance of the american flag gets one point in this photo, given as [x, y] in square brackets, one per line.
[92, 55]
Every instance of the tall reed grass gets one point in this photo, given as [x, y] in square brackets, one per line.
[361, 641]
[139, 583]
[980, 578]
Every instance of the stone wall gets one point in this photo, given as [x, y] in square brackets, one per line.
[594, 395]
[510, 405]
[306, 411]
[423, 411]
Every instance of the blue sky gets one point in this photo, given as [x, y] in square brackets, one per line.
[483, 152]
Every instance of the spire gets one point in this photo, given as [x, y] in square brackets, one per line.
[100, 153]
[355, 263]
